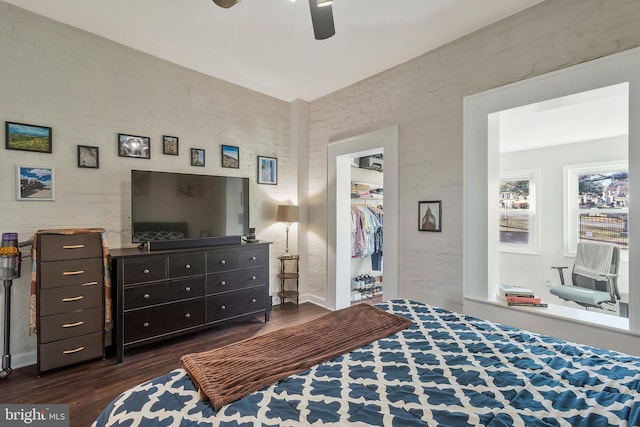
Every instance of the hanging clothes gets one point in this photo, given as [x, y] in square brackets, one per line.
[366, 232]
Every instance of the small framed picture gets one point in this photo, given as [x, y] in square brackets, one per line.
[20, 136]
[134, 146]
[267, 170]
[197, 157]
[230, 156]
[430, 215]
[35, 183]
[88, 157]
[170, 145]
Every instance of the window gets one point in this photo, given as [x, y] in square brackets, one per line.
[518, 220]
[597, 205]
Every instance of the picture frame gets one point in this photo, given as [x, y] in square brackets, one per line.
[35, 183]
[267, 170]
[197, 157]
[170, 145]
[430, 215]
[24, 137]
[88, 157]
[134, 146]
[230, 156]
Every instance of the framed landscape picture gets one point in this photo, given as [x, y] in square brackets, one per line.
[170, 145]
[20, 136]
[88, 157]
[230, 156]
[35, 183]
[134, 146]
[267, 170]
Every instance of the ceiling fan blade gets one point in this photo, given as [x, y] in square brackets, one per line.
[226, 3]
[322, 20]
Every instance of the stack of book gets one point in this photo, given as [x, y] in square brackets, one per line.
[519, 296]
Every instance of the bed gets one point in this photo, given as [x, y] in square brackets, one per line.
[446, 369]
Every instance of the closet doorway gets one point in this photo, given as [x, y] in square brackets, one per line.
[340, 156]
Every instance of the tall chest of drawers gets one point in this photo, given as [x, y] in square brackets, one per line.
[70, 298]
[170, 293]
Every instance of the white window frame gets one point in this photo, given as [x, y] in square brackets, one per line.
[533, 247]
[571, 211]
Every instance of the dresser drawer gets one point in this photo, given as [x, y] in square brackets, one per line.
[233, 304]
[164, 319]
[57, 247]
[144, 270]
[70, 273]
[252, 258]
[234, 280]
[222, 261]
[69, 325]
[163, 292]
[186, 265]
[74, 350]
[70, 298]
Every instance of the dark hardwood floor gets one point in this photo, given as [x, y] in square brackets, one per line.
[88, 388]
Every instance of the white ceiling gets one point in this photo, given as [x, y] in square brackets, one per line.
[586, 116]
[268, 45]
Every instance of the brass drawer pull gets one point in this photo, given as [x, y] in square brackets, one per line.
[72, 246]
[223, 283]
[75, 350]
[188, 315]
[253, 258]
[188, 289]
[146, 271]
[70, 299]
[188, 266]
[253, 277]
[89, 284]
[253, 300]
[223, 307]
[73, 325]
[145, 296]
[145, 324]
[223, 262]
[73, 273]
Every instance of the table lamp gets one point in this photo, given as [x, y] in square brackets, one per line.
[288, 214]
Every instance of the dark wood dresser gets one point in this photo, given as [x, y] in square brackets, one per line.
[70, 298]
[169, 293]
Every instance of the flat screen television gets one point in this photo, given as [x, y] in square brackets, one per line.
[167, 206]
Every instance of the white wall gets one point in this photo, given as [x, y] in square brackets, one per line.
[89, 89]
[534, 270]
[423, 97]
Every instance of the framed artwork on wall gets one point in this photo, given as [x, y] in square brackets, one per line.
[267, 170]
[88, 157]
[170, 145]
[134, 146]
[35, 183]
[20, 136]
[230, 156]
[430, 215]
[197, 157]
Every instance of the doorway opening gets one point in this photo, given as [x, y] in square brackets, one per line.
[340, 157]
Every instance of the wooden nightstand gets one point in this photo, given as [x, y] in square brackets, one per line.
[288, 274]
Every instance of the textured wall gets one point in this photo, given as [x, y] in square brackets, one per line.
[89, 89]
[424, 97]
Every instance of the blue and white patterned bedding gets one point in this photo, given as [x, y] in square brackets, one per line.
[447, 369]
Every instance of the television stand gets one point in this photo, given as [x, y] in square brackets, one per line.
[164, 294]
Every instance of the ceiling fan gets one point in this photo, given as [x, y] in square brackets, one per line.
[321, 16]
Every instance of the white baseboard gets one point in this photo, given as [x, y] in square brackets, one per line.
[24, 359]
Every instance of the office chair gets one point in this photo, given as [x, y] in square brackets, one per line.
[594, 278]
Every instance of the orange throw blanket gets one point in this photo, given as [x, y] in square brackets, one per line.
[227, 374]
